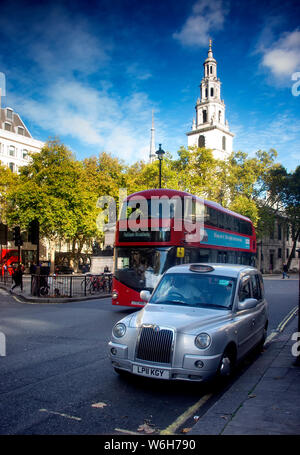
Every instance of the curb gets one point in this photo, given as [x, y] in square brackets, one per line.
[55, 300]
[224, 411]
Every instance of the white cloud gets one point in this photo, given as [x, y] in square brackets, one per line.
[98, 120]
[206, 18]
[280, 132]
[282, 58]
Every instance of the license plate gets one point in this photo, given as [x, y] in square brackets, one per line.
[158, 373]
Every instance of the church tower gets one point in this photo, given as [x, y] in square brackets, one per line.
[210, 128]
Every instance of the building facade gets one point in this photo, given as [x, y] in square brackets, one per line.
[16, 141]
[210, 128]
[274, 250]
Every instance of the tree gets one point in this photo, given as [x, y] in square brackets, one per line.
[7, 180]
[53, 188]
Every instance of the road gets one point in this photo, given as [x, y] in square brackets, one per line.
[56, 377]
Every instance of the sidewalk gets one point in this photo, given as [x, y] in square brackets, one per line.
[265, 400]
[27, 297]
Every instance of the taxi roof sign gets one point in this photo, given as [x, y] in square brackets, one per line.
[201, 268]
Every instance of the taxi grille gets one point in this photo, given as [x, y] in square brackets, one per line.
[155, 346]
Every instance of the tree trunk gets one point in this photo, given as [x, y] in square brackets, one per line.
[292, 254]
[52, 255]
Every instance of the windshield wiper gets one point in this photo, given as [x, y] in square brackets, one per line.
[210, 305]
[168, 302]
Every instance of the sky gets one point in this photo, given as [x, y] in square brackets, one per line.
[91, 72]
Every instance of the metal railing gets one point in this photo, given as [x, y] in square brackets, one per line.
[63, 285]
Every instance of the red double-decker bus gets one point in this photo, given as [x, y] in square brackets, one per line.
[160, 228]
[9, 257]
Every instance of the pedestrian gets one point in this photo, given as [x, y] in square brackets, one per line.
[32, 269]
[285, 271]
[17, 277]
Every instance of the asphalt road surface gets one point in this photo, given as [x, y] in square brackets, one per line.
[56, 377]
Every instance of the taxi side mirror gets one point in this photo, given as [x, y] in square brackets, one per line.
[247, 304]
[145, 296]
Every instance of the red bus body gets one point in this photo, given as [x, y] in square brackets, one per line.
[8, 257]
[141, 256]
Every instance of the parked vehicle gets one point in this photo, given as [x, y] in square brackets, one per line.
[64, 270]
[200, 321]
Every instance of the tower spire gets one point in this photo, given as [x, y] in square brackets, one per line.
[152, 155]
[210, 54]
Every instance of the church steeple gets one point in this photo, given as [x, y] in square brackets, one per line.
[211, 129]
[152, 155]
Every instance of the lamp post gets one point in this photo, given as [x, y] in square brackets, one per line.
[297, 362]
[160, 153]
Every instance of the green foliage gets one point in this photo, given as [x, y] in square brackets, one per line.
[53, 188]
[62, 192]
[7, 181]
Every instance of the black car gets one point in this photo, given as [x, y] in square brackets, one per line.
[64, 270]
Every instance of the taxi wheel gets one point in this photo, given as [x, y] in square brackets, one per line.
[226, 364]
[260, 346]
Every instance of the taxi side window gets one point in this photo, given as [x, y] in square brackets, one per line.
[245, 290]
[256, 289]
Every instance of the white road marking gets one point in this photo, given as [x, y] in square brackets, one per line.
[126, 431]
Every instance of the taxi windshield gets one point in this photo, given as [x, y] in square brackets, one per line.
[195, 290]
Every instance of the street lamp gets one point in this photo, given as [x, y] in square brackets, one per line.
[160, 153]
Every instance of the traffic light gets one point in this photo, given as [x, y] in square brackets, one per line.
[34, 232]
[3, 234]
[17, 236]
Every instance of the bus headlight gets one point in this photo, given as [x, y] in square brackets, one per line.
[115, 295]
[119, 330]
[202, 341]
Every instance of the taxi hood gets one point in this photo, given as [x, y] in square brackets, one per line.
[181, 318]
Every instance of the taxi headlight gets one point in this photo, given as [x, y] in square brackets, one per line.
[202, 341]
[119, 330]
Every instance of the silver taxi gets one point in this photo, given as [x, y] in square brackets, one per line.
[199, 321]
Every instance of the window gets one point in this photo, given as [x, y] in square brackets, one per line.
[279, 253]
[206, 93]
[12, 150]
[25, 154]
[7, 126]
[245, 290]
[9, 114]
[204, 116]
[279, 231]
[11, 167]
[220, 113]
[211, 91]
[21, 130]
[221, 220]
[201, 141]
[213, 217]
[256, 291]
[210, 69]
[223, 143]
